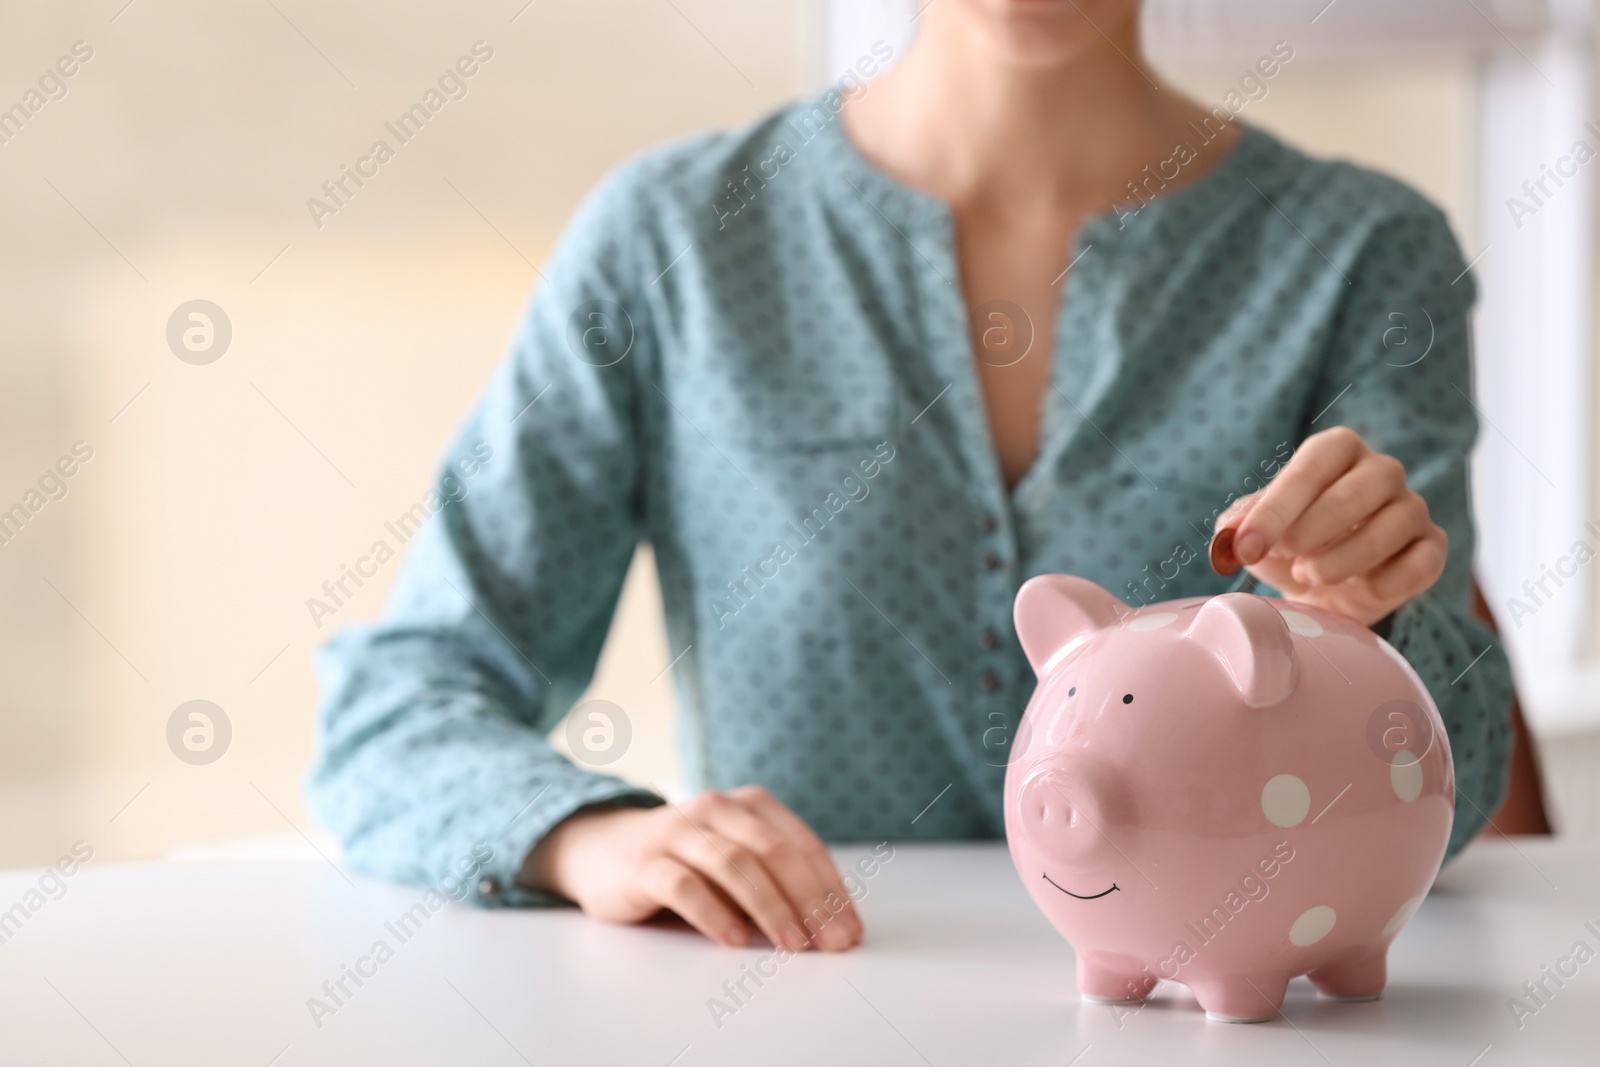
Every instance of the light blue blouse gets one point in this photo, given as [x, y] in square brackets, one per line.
[752, 351]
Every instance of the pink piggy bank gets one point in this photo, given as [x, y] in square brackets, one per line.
[1225, 792]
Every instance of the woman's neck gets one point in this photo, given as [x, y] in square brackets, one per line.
[960, 121]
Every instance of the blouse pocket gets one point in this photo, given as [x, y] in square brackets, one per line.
[779, 398]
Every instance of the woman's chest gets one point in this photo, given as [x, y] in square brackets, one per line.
[1012, 277]
[1063, 354]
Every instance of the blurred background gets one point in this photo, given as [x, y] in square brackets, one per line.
[222, 489]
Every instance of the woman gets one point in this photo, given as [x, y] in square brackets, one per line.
[857, 372]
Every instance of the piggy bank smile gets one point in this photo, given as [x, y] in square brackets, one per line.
[1194, 796]
[1081, 896]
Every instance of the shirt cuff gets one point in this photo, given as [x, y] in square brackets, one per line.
[497, 882]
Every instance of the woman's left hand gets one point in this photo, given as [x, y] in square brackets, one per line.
[1339, 528]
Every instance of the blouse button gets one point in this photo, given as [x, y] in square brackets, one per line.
[988, 640]
[989, 681]
[988, 523]
[991, 562]
[489, 888]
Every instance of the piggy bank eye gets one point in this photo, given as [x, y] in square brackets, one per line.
[1127, 698]
[1072, 692]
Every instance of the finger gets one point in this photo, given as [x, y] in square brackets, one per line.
[1358, 495]
[1412, 571]
[830, 927]
[773, 810]
[791, 825]
[1380, 539]
[676, 886]
[736, 871]
[1237, 510]
[1317, 464]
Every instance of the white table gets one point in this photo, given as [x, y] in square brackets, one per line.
[170, 965]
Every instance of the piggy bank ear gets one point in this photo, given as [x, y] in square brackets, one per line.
[1054, 609]
[1251, 641]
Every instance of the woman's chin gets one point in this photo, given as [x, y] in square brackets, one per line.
[1044, 34]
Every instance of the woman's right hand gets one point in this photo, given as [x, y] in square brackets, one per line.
[721, 861]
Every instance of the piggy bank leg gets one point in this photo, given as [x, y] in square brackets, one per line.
[1111, 982]
[1241, 998]
[1358, 974]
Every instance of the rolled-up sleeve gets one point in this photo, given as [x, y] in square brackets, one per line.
[431, 741]
[1399, 373]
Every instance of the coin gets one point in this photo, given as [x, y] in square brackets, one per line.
[1223, 559]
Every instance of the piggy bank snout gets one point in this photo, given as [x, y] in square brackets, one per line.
[1065, 812]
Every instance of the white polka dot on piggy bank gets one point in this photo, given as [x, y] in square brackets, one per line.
[1224, 792]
